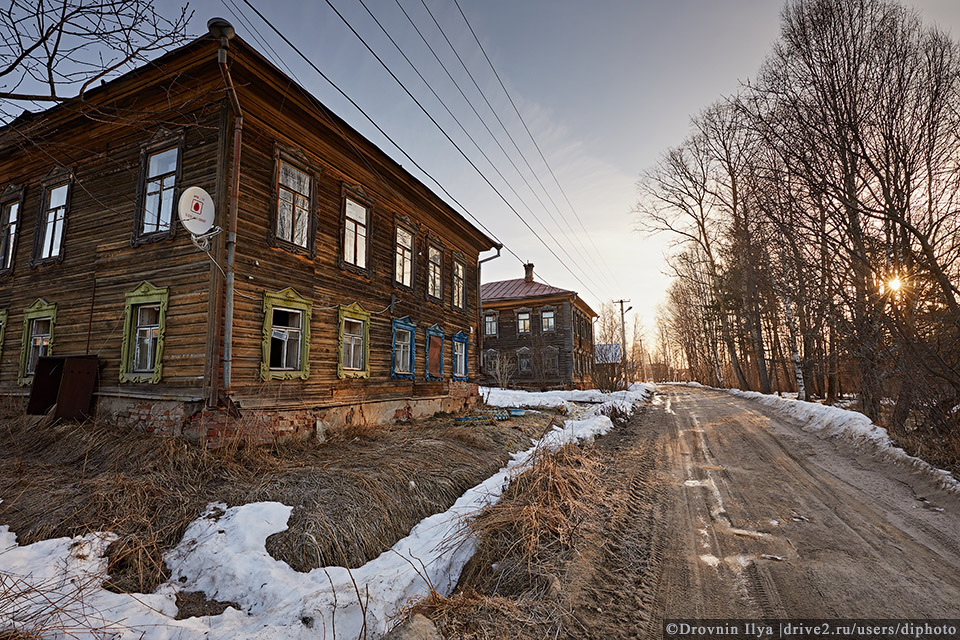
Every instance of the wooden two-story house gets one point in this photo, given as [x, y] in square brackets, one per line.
[540, 336]
[354, 293]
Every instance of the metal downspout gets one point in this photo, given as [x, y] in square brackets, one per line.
[232, 216]
[498, 247]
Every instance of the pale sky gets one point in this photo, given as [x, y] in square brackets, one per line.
[605, 86]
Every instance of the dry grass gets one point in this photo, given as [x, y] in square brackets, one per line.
[524, 542]
[353, 497]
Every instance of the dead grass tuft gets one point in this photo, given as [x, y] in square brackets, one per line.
[353, 498]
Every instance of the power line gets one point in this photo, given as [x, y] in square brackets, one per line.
[460, 124]
[458, 148]
[380, 130]
[509, 136]
[534, 140]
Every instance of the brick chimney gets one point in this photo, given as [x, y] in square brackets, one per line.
[528, 272]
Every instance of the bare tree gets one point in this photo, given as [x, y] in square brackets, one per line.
[54, 51]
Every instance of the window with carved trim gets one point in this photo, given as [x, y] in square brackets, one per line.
[294, 188]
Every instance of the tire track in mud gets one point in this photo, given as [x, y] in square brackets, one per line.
[610, 594]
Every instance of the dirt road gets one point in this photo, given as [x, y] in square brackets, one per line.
[729, 510]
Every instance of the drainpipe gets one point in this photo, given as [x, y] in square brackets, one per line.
[219, 27]
[498, 247]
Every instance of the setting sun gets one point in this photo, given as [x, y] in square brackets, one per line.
[894, 284]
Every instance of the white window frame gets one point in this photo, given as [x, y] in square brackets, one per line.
[403, 271]
[286, 331]
[459, 359]
[160, 184]
[459, 273]
[153, 331]
[53, 222]
[521, 321]
[356, 233]
[354, 343]
[299, 206]
[434, 272]
[42, 347]
[402, 356]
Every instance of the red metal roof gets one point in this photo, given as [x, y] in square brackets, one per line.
[517, 288]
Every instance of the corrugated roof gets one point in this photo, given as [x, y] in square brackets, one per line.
[517, 288]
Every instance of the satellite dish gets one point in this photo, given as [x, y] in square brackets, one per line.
[196, 210]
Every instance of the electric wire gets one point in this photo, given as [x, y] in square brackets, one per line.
[460, 150]
[467, 133]
[534, 140]
[584, 253]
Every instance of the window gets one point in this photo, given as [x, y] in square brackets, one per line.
[8, 234]
[355, 234]
[404, 257]
[523, 322]
[547, 321]
[294, 188]
[434, 266]
[551, 360]
[404, 348]
[285, 350]
[434, 353]
[285, 338]
[490, 324]
[458, 296]
[38, 324]
[460, 356]
[3, 325]
[144, 317]
[523, 360]
[490, 362]
[52, 223]
[354, 342]
[159, 191]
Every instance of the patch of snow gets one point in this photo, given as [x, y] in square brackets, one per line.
[223, 554]
[496, 397]
[849, 425]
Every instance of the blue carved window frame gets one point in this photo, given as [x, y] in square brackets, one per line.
[462, 338]
[437, 332]
[405, 324]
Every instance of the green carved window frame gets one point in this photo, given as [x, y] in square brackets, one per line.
[353, 312]
[286, 299]
[144, 294]
[39, 309]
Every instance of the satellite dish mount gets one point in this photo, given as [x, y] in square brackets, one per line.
[197, 213]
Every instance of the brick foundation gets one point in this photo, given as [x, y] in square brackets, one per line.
[261, 425]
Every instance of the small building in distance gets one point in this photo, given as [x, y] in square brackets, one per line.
[356, 293]
[535, 335]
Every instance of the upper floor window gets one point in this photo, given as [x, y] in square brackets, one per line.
[355, 227]
[490, 324]
[160, 184]
[523, 322]
[294, 190]
[547, 321]
[404, 257]
[434, 271]
[8, 229]
[458, 289]
[52, 223]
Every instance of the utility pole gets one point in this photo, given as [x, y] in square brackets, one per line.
[623, 341]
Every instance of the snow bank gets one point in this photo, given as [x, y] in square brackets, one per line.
[849, 425]
[496, 397]
[223, 554]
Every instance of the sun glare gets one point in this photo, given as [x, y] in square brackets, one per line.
[894, 284]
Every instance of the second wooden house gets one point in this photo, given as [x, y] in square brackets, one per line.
[534, 335]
